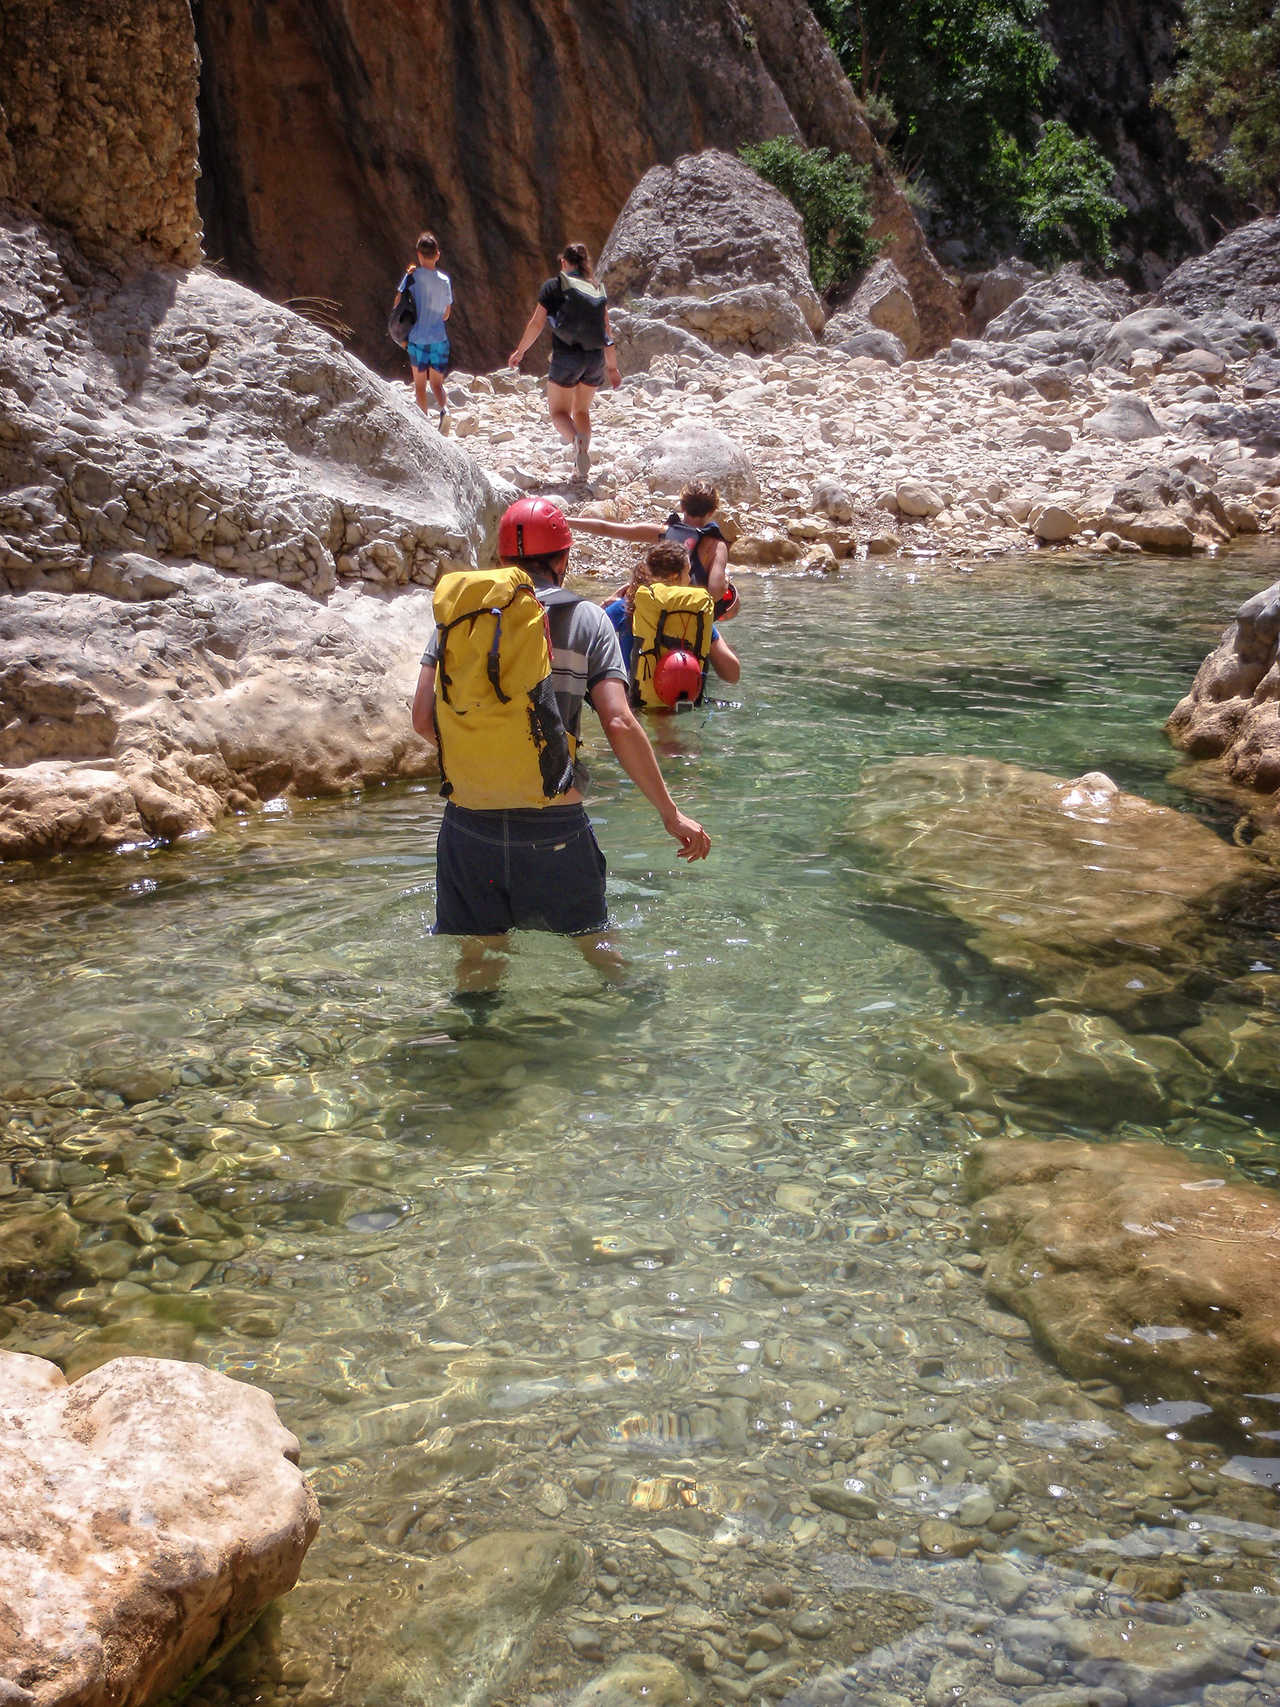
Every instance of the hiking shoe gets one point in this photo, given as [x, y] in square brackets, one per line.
[582, 460]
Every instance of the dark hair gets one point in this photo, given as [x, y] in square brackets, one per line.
[579, 257]
[426, 244]
[540, 565]
[666, 561]
[699, 498]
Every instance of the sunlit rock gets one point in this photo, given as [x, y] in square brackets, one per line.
[152, 1510]
[1136, 1263]
[135, 721]
[708, 244]
[1232, 712]
[1086, 891]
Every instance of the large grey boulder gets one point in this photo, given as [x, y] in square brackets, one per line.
[1232, 711]
[152, 1510]
[1241, 273]
[989, 294]
[1064, 316]
[641, 338]
[205, 504]
[1124, 417]
[178, 415]
[708, 229]
[130, 719]
[884, 301]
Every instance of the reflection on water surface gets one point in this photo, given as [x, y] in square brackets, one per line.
[685, 1258]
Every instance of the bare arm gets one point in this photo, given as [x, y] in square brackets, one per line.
[643, 531]
[611, 355]
[724, 661]
[424, 704]
[718, 568]
[537, 320]
[632, 750]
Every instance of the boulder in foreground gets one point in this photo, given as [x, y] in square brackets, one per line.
[151, 1510]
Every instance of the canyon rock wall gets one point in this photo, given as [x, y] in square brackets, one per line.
[332, 135]
[1111, 54]
[98, 122]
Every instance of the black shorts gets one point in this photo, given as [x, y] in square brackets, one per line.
[573, 366]
[537, 869]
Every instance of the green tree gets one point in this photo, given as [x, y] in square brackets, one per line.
[1062, 194]
[965, 81]
[830, 194]
[1224, 94]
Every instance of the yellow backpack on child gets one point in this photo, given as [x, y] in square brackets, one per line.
[501, 740]
[667, 619]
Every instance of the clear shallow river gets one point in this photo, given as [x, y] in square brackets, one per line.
[662, 1257]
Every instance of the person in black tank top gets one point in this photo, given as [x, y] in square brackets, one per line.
[694, 528]
[582, 351]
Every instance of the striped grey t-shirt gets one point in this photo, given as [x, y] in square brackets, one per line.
[584, 651]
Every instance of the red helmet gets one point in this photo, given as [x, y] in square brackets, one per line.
[678, 676]
[533, 527]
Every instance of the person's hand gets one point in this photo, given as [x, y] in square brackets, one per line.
[615, 376]
[694, 841]
[515, 358]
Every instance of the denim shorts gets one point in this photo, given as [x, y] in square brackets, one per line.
[431, 355]
[538, 868]
[572, 366]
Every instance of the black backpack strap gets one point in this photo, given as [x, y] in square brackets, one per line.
[493, 663]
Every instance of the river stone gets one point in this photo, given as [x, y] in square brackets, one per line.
[640, 1680]
[1090, 891]
[691, 451]
[1155, 1664]
[37, 1247]
[1135, 1263]
[1125, 417]
[152, 1510]
[460, 1629]
[1060, 1065]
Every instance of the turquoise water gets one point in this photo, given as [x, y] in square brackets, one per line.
[511, 1273]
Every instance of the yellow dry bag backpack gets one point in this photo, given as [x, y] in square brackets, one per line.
[667, 619]
[501, 740]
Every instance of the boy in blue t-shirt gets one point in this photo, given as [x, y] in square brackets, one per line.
[429, 339]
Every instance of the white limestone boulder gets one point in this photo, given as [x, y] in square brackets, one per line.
[151, 1510]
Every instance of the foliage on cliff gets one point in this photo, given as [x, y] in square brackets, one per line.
[830, 194]
[1225, 93]
[956, 88]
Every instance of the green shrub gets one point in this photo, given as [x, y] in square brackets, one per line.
[830, 194]
[1062, 193]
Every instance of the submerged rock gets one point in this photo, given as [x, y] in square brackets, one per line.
[1094, 894]
[1135, 1263]
[152, 1510]
[459, 1631]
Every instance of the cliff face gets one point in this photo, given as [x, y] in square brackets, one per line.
[1111, 54]
[332, 135]
[98, 121]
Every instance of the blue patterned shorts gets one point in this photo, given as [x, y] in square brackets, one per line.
[431, 355]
